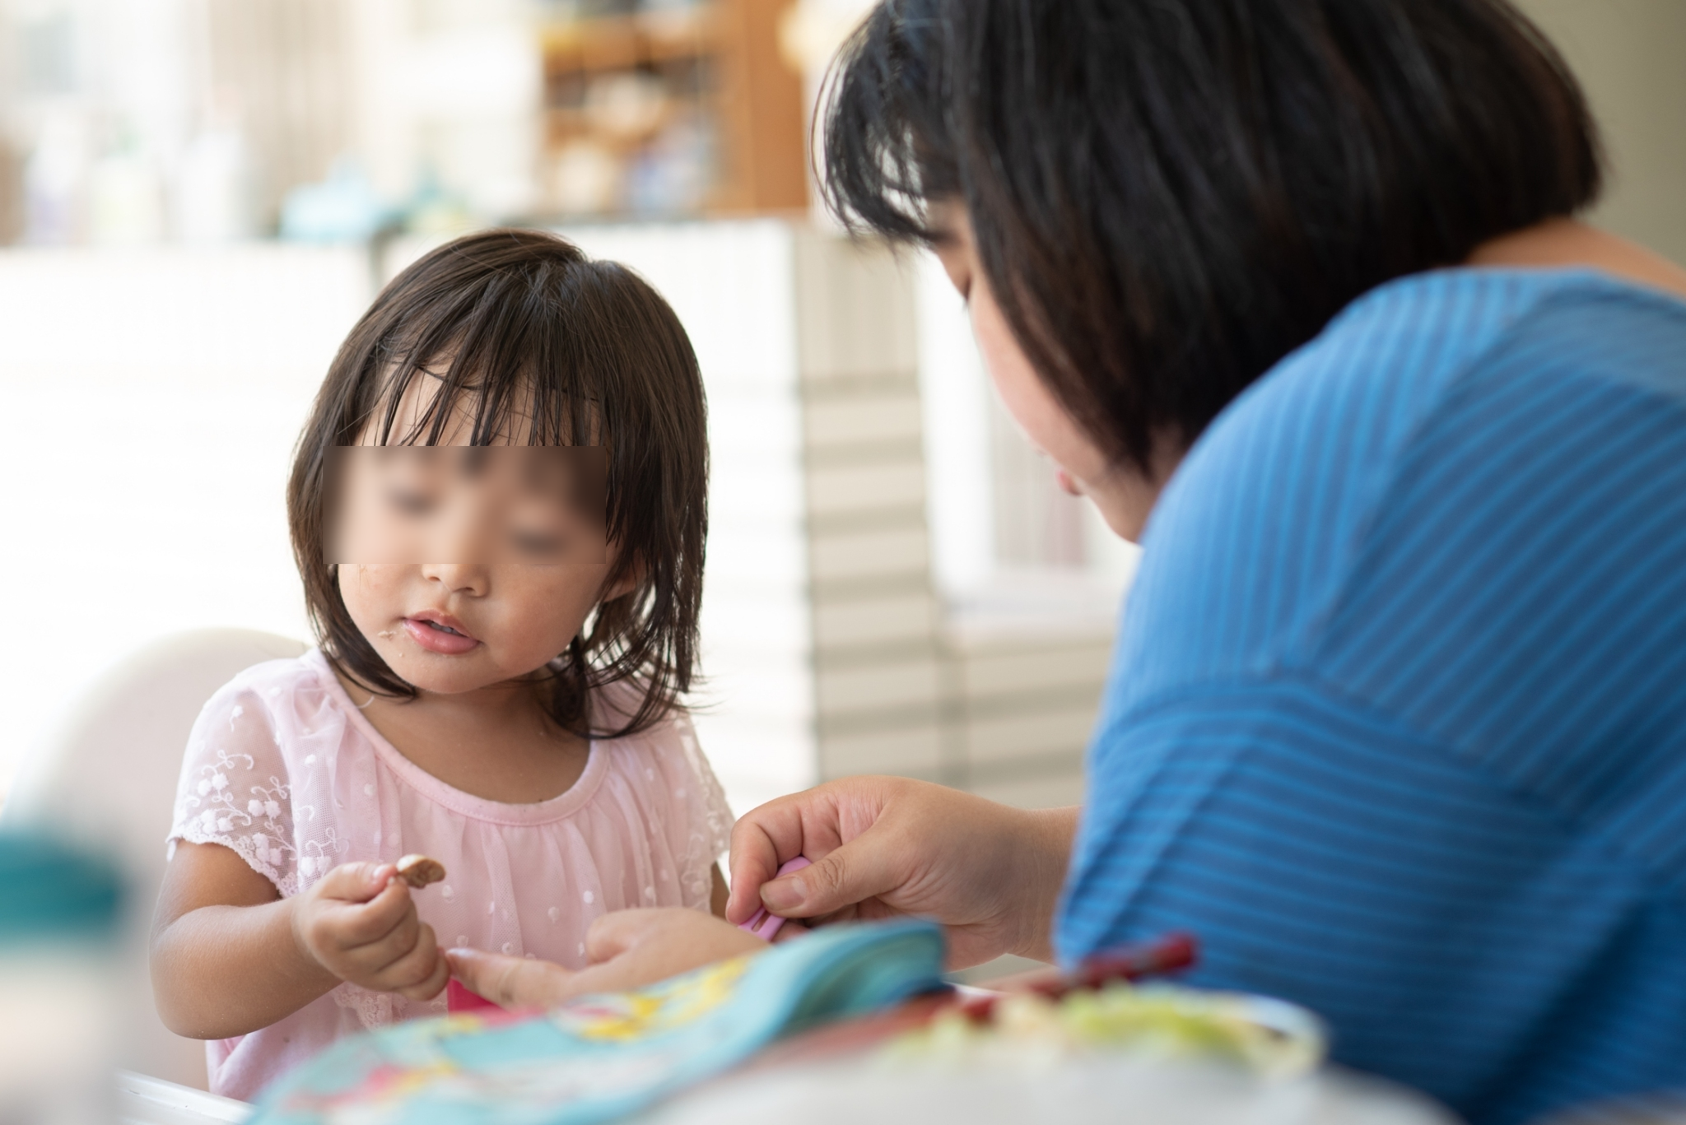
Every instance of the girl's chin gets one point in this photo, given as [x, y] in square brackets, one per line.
[432, 671]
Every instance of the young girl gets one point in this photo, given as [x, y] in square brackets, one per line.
[511, 711]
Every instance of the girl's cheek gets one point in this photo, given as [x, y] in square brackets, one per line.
[366, 587]
[548, 610]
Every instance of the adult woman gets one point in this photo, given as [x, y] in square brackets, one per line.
[1395, 722]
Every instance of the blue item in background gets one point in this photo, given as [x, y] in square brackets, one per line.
[59, 913]
[342, 208]
[51, 893]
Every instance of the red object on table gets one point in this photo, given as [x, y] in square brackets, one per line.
[1130, 962]
[460, 999]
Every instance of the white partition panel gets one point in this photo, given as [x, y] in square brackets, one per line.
[153, 398]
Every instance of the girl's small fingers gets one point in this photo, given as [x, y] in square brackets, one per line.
[413, 968]
[435, 982]
[390, 946]
[354, 882]
[372, 921]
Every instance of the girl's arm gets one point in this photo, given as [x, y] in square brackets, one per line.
[224, 957]
[230, 956]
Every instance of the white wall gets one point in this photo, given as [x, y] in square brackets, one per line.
[155, 397]
[152, 398]
[1630, 56]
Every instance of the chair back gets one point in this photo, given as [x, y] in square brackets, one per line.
[106, 774]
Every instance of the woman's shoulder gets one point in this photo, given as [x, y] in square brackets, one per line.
[1397, 352]
[1323, 433]
[1410, 425]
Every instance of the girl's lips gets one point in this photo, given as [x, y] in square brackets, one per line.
[423, 632]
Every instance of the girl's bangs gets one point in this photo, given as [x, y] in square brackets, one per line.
[477, 377]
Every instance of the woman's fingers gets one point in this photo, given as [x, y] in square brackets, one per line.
[763, 839]
[884, 847]
[815, 823]
[513, 982]
[866, 866]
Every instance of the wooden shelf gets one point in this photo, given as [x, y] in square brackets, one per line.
[618, 42]
[726, 74]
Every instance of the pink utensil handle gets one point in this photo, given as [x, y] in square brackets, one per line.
[762, 924]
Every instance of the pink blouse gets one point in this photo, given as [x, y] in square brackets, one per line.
[285, 770]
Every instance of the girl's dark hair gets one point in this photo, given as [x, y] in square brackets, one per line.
[1170, 196]
[522, 330]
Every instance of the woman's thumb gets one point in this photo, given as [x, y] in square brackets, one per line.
[854, 872]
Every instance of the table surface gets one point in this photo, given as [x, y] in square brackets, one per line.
[1116, 1091]
[153, 1101]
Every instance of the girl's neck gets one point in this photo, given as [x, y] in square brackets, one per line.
[498, 743]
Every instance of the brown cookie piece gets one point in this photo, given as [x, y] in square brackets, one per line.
[420, 870]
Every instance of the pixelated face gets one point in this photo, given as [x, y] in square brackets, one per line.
[466, 504]
[467, 566]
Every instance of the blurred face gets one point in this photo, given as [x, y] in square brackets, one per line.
[1122, 494]
[467, 568]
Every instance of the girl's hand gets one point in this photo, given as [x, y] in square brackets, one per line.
[627, 949]
[889, 846]
[359, 923]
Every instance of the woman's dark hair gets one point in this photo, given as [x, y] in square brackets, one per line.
[1169, 196]
[523, 332]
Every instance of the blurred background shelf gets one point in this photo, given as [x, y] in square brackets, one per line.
[199, 197]
[679, 110]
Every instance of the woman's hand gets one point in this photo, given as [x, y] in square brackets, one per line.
[359, 923]
[627, 949]
[889, 846]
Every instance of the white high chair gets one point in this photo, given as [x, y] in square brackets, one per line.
[106, 775]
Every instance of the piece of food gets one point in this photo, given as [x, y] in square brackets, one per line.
[420, 870]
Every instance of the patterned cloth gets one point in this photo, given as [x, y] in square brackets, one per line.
[284, 769]
[599, 1058]
[1397, 721]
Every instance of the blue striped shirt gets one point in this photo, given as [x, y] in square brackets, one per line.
[1397, 719]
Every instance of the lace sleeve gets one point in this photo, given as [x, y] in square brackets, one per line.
[709, 816]
[234, 789]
